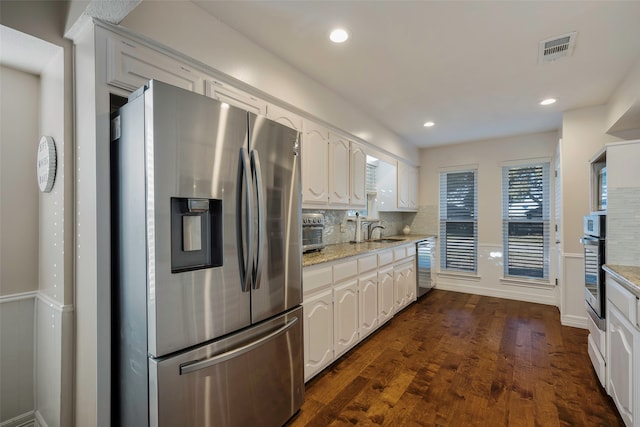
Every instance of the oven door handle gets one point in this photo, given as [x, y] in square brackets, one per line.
[312, 227]
[591, 241]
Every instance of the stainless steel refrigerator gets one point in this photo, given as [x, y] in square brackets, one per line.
[207, 272]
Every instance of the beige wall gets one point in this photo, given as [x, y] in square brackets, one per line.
[583, 135]
[43, 21]
[19, 211]
[19, 113]
[488, 156]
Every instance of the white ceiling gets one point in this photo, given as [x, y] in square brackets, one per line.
[470, 66]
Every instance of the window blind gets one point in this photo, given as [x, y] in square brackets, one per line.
[458, 220]
[525, 215]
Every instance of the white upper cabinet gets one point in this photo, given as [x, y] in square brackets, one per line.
[130, 65]
[338, 171]
[387, 185]
[232, 96]
[285, 117]
[315, 165]
[407, 187]
[358, 176]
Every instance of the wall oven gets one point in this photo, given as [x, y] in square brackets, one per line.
[593, 242]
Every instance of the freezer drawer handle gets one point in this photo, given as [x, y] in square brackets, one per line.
[201, 364]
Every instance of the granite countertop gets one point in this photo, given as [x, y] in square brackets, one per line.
[628, 276]
[345, 250]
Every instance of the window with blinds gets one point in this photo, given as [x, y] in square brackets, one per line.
[458, 220]
[525, 218]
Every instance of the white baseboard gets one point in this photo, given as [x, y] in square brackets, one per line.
[498, 293]
[574, 321]
[40, 422]
[24, 420]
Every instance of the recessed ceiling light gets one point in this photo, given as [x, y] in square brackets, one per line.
[548, 101]
[339, 35]
[428, 124]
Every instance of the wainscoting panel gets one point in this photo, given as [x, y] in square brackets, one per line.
[17, 344]
[489, 280]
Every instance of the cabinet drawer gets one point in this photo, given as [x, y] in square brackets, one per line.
[399, 253]
[385, 258]
[316, 278]
[624, 300]
[411, 250]
[367, 263]
[344, 270]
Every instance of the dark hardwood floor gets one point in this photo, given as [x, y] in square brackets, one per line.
[454, 359]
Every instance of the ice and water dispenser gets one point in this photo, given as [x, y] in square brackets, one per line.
[196, 233]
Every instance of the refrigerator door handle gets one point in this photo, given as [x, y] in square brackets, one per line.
[257, 170]
[189, 367]
[246, 216]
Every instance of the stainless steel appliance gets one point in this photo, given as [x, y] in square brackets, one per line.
[312, 229]
[425, 253]
[207, 264]
[593, 242]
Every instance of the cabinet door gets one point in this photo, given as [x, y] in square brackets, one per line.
[386, 301]
[318, 332]
[285, 117]
[130, 65]
[315, 165]
[407, 187]
[413, 188]
[403, 185]
[232, 96]
[399, 287]
[387, 186]
[338, 171]
[620, 354]
[368, 303]
[411, 285]
[345, 318]
[358, 176]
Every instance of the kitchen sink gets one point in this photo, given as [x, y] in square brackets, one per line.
[387, 240]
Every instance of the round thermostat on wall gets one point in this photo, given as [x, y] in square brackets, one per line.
[46, 164]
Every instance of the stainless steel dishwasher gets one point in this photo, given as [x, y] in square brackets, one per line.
[425, 253]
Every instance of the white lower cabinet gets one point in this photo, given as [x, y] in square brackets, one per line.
[386, 302]
[345, 316]
[346, 300]
[368, 303]
[623, 352]
[404, 283]
[318, 332]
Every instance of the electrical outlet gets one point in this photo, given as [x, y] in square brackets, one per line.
[343, 227]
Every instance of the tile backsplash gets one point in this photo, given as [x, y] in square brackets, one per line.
[338, 229]
[623, 226]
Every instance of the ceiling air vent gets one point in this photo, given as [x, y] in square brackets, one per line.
[556, 47]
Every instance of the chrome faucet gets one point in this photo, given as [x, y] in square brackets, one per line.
[371, 228]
